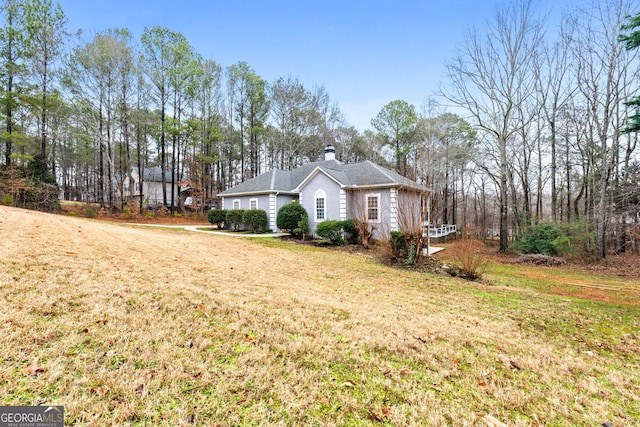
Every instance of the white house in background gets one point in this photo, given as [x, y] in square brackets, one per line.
[331, 190]
[152, 186]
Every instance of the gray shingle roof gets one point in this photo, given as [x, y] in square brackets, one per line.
[362, 174]
[155, 174]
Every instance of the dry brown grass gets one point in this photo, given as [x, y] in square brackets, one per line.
[132, 326]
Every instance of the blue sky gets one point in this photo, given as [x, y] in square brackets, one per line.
[365, 53]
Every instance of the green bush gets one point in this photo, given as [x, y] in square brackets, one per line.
[538, 239]
[577, 240]
[289, 215]
[398, 245]
[255, 219]
[149, 215]
[567, 240]
[234, 217]
[351, 230]
[303, 226]
[217, 217]
[332, 230]
[7, 200]
[90, 213]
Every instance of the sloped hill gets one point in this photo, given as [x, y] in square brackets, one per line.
[125, 325]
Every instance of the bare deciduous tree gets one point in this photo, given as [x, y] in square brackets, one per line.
[493, 80]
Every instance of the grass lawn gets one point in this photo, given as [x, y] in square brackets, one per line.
[135, 326]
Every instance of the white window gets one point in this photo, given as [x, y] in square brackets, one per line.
[253, 204]
[321, 205]
[236, 204]
[373, 207]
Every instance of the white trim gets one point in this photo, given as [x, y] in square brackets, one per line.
[393, 209]
[233, 206]
[343, 204]
[273, 204]
[320, 194]
[311, 175]
[253, 199]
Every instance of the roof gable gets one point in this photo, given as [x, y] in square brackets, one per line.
[314, 173]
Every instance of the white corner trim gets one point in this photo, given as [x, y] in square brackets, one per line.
[393, 209]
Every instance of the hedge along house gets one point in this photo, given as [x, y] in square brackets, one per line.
[331, 190]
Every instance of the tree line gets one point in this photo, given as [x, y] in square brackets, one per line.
[534, 123]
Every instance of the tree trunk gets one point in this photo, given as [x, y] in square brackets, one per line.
[504, 209]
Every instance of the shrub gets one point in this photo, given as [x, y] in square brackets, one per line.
[538, 239]
[126, 212]
[577, 240]
[149, 215]
[289, 215]
[303, 226]
[398, 245]
[363, 230]
[90, 213]
[234, 217]
[134, 208]
[255, 219]
[351, 230]
[470, 256]
[7, 200]
[217, 217]
[332, 230]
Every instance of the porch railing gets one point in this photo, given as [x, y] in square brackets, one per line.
[442, 231]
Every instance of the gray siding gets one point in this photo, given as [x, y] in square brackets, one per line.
[357, 208]
[270, 203]
[321, 182]
[280, 201]
[245, 202]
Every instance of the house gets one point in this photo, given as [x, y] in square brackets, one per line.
[152, 186]
[331, 190]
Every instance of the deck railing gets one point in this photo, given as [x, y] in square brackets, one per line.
[442, 231]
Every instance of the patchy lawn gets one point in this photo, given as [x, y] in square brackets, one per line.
[615, 279]
[131, 326]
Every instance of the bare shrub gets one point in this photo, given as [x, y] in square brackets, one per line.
[470, 256]
[134, 208]
[360, 217]
[412, 214]
[162, 211]
[385, 245]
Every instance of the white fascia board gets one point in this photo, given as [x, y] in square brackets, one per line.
[378, 186]
[258, 193]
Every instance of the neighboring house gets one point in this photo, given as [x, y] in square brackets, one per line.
[152, 186]
[331, 190]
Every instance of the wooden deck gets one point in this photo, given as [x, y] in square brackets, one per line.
[443, 231]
